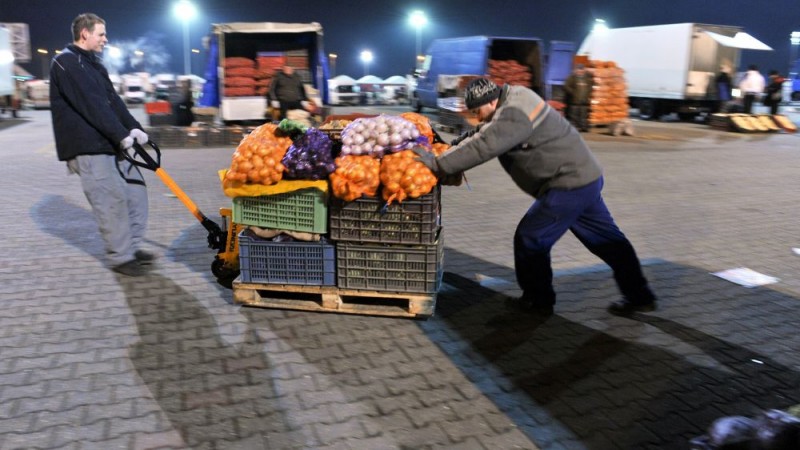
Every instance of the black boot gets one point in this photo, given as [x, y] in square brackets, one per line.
[622, 259]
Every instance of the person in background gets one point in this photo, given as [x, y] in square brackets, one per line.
[578, 89]
[773, 93]
[724, 87]
[287, 92]
[92, 126]
[547, 158]
[183, 107]
[752, 85]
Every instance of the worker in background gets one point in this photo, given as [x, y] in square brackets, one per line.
[92, 126]
[773, 94]
[286, 92]
[752, 85]
[547, 159]
[578, 89]
[724, 87]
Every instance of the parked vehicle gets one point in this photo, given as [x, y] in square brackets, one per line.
[343, 90]
[671, 68]
[446, 58]
[37, 94]
[249, 40]
[7, 83]
[133, 89]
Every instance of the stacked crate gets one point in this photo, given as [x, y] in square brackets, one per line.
[278, 260]
[396, 248]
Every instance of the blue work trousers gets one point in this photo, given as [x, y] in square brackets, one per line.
[583, 212]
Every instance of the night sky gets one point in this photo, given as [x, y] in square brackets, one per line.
[383, 27]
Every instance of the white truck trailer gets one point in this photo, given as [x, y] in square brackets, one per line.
[671, 68]
[6, 70]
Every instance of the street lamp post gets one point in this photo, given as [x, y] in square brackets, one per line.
[332, 62]
[366, 58]
[418, 20]
[44, 53]
[185, 11]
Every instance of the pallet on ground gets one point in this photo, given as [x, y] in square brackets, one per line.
[331, 299]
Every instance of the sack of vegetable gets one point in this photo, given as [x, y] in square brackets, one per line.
[355, 176]
[309, 157]
[257, 159]
[402, 176]
[377, 136]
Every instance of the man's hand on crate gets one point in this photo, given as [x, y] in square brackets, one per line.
[427, 158]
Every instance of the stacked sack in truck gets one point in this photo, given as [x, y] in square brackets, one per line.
[609, 102]
[239, 78]
[267, 64]
[510, 72]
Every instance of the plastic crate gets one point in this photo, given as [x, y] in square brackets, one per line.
[390, 268]
[171, 137]
[413, 221]
[196, 137]
[303, 263]
[301, 210]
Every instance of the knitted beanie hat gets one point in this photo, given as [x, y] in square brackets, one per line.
[479, 92]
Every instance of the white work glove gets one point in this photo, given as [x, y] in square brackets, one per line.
[275, 104]
[139, 136]
[126, 143]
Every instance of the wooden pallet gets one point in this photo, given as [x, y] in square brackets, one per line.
[334, 300]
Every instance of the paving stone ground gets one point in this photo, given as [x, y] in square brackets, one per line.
[94, 360]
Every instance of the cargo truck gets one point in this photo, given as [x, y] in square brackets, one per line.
[446, 58]
[7, 83]
[302, 42]
[671, 68]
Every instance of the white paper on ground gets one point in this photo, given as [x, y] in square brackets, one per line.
[746, 277]
[796, 250]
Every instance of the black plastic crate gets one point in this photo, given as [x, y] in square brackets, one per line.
[413, 221]
[295, 262]
[171, 137]
[390, 268]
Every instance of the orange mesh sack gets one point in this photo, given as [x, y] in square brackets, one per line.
[402, 176]
[257, 159]
[355, 176]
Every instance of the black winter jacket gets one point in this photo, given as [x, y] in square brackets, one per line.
[89, 118]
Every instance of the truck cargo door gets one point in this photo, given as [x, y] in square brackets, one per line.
[741, 40]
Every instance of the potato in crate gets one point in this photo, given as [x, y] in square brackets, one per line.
[288, 262]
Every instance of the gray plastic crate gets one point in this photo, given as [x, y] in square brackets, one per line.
[414, 221]
[390, 268]
[296, 262]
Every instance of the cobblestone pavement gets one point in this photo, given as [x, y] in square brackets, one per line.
[93, 360]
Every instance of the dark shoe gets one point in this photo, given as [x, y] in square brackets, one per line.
[131, 268]
[626, 308]
[528, 306]
[144, 257]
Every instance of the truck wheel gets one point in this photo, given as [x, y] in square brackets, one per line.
[796, 96]
[415, 104]
[648, 109]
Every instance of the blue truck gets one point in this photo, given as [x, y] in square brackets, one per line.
[470, 56]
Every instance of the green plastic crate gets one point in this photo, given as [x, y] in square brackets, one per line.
[302, 210]
[390, 268]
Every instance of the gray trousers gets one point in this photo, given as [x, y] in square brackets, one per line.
[119, 205]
